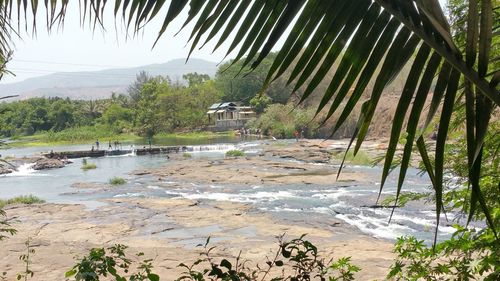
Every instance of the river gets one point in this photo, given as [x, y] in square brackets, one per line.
[347, 201]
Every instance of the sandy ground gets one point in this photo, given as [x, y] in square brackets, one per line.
[168, 230]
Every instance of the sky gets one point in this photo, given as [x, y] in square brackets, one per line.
[77, 48]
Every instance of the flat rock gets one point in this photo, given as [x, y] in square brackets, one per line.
[4, 170]
[45, 163]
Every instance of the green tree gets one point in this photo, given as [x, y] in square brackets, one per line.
[134, 90]
[147, 109]
[195, 79]
[117, 117]
[240, 84]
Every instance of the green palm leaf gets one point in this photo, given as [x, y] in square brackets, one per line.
[362, 41]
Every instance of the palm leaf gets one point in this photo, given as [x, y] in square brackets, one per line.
[367, 41]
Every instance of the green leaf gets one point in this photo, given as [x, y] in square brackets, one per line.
[285, 19]
[175, 8]
[401, 109]
[316, 52]
[225, 263]
[245, 25]
[444, 122]
[391, 66]
[70, 273]
[153, 277]
[378, 52]
[370, 16]
[358, 58]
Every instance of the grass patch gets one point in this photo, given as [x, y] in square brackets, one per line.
[304, 173]
[196, 135]
[80, 135]
[25, 199]
[89, 134]
[361, 158]
[187, 155]
[235, 153]
[117, 181]
[88, 166]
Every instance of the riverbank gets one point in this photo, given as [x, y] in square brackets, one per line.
[85, 136]
[168, 229]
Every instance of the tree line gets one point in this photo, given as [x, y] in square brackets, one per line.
[151, 105]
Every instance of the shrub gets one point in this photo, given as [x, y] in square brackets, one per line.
[88, 166]
[297, 259]
[361, 158]
[187, 155]
[117, 181]
[235, 153]
[27, 200]
[112, 261]
[468, 255]
[5, 228]
[281, 121]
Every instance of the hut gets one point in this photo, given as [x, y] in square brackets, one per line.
[229, 116]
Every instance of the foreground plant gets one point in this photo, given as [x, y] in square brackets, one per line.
[294, 260]
[27, 260]
[5, 229]
[101, 263]
[468, 255]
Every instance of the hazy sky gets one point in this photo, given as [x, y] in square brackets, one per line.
[79, 49]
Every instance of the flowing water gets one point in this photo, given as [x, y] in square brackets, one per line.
[347, 201]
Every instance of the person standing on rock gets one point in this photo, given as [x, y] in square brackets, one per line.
[97, 144]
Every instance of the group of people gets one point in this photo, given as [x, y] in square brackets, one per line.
[247, 131]
[117, 145]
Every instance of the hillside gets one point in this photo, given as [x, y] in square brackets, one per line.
[100, 84]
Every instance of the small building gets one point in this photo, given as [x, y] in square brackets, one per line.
[229, 116]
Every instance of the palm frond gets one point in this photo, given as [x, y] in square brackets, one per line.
[367, 40]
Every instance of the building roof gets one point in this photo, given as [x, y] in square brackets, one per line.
[215, 105]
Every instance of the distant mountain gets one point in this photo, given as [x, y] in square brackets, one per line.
[100, 84]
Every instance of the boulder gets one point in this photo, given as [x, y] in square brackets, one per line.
[45, 163]
[5, 170]
[6, 167]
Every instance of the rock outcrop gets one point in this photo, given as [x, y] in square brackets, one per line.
[6, 167]
[45, 163]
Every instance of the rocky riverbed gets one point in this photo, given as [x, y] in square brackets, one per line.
[168, 229]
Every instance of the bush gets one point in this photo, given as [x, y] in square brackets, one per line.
[88, 166]
[117, 181]
[5, 229]
[281, 121]
[235, 153]
[100, 263]
[187, 155]
[361, 158]
[297, 259]
[27, 200]
[468, 255]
